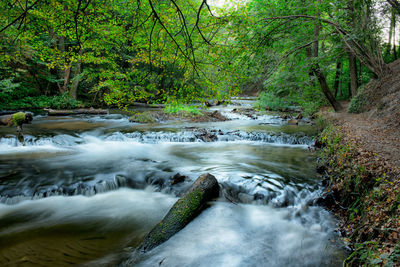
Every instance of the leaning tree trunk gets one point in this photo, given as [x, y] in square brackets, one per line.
[325, 88]
[353, 74]
[337, 78]
[317, 70]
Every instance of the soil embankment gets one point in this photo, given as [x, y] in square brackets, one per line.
[361, 157]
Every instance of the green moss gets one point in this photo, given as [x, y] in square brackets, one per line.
[180, 215]
[187, 206]
[144, 117]
[181, 108]
[18, 118]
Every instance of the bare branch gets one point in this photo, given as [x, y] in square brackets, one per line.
[20, 17]
[198, 20]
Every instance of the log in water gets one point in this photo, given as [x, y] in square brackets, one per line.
[90, 111]
[183, 212]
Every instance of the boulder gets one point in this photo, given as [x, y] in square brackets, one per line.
[299, 116]
[178, 178]
[206, 136]
[16, 119]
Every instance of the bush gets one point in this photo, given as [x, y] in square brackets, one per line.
[34, 102]
[178, 108]
[358, 103]
[143, 117]
[270, 101]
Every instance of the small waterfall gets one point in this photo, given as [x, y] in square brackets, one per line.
[198, 135]
[85, 189]
[213, 136]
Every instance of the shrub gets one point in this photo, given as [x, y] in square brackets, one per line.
[143, 117]
[178, 108]
[33, 102]
[358, 103]
[270, 101]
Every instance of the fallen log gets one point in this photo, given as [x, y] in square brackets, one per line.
[67, 112]
[204, 189]
[138, 104]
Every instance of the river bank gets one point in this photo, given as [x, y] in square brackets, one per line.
[360, 161]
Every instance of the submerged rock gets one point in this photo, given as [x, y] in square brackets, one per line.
[206, 136]
[144, 117]
[178, 178]
[204, 189]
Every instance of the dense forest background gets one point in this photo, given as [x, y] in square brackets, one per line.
[72, 53]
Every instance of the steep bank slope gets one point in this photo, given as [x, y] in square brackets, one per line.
[362, 160]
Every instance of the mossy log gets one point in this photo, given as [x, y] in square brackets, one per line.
[67, 112]
[17, 120]
[204, 189]
[138, 104]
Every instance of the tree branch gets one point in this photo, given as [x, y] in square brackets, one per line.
[20, 17]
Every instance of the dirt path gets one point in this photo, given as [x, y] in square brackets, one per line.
[374, 141]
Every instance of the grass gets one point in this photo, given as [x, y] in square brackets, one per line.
[181, 108]
[142, 117]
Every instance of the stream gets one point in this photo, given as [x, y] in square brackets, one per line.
[85, 190]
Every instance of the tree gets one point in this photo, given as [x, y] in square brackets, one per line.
[124, 51]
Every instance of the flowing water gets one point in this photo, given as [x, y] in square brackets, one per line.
[85, 190]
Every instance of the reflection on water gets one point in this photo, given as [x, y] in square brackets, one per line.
[77, 193]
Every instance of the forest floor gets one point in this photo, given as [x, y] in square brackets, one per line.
[370, 135]
[362, 156]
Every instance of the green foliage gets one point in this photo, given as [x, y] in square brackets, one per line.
[154, 51]
[142, 117]
[368, 204]
[321, 123]
[161, 50]
[367, 253]
[179, 108]
[358, 104]
[272, 102]
[34, 102]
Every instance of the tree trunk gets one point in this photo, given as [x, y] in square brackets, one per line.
[317, 70]
[372, 57]
[389, 44]
[67, 74]
[76, 79]
[325, 88]
[353, 74]
[394, 37]
[337, 78]
[66, 71]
